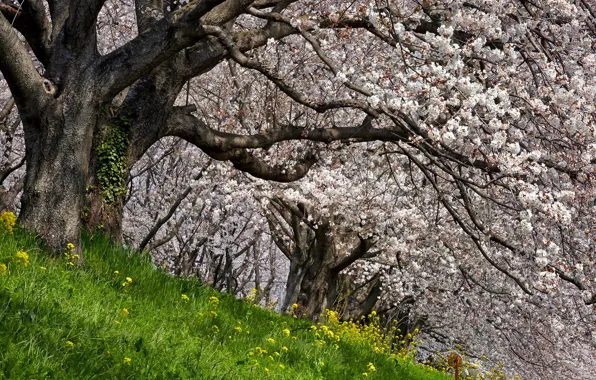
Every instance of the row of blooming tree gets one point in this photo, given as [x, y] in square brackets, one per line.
[433, 160]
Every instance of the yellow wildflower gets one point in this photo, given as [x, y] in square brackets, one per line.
[294, 306]
[238, 329]
[284, 349]
[215, 329]
[271, 340]
[127, 282]
[127, 361]
[364, 374]
[124, 311]
[3, 268]
[371, 367]
[7, 221]
[43, 268]
[69, 344]
[213, 300]
[116, 272]
[266, 370]
[282, 366]
[23, 257]
[286, 332]
[185, 297]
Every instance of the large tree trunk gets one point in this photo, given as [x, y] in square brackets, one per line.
[58, 147]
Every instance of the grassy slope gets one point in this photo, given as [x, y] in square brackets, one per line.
[67, 323]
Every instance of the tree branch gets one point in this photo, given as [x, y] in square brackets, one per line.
[192, 129]
[26, 85]
[171, 211]
[31, 21]
[256, 167]
[297, 96]
[358, 252]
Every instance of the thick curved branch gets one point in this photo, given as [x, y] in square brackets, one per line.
[26, 85]
[187, 126]
[231, 147]
[256, 167]
[358, 252]
[32, 22]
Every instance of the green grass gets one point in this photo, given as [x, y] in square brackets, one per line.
[68, 323]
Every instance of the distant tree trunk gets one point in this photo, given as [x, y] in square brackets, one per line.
[314, 282]
[318, 289]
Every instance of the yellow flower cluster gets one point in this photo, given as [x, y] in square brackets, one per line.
[185, 298]
[250, 298]
[22, 257]
[7, 221]
[127, 282]
[273, 354]
[70, 255]
[213, 300]
[380, 339]
[3, 268]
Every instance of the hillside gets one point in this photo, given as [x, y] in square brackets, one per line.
[121, 318]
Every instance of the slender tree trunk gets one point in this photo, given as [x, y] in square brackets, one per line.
[104, 199]
[58, 147]
[98, 215]
[319, 280]
[295, 276]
